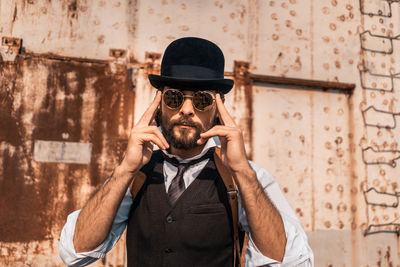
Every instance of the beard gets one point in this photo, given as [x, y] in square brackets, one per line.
[182, 138]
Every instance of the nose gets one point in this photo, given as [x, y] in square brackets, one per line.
[187, 107]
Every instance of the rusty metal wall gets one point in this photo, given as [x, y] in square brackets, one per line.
[80, 78]
[48, 100]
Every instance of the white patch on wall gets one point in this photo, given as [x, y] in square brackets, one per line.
[62, 152]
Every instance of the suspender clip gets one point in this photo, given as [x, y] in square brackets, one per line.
[232, 192]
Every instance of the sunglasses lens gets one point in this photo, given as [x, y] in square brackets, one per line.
[173, 98]
[202, 100]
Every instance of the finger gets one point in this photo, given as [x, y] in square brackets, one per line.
[156, 131]
[148, 137]
[150, 113]
[148, 149]
[219, 130]
[203, 140]
[226, 119]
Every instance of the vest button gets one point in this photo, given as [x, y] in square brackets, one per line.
[170, 219]
[168, 250]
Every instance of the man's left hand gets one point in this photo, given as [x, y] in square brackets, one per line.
[233, 153]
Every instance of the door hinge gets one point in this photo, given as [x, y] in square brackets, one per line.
[10, 48]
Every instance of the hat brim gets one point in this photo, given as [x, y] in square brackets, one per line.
[219, 85]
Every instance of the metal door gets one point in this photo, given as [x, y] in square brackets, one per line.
[51, 111]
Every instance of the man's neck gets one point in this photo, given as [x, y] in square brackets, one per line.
[187, 153]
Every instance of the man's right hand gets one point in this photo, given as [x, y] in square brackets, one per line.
[142, 138]
[96, 218]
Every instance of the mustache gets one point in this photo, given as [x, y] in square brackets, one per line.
[186, 121]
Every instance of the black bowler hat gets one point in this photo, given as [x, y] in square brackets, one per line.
[192, 63]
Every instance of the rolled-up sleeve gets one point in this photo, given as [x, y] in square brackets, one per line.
[67, 249]
[297, 251]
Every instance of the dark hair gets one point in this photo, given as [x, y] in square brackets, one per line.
[157, 118]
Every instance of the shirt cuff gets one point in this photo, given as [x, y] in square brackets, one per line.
[297, 251]
[67, 249]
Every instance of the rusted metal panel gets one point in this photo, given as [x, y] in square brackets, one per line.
[284, 137]
[69, 27]
[333, 40]
[288, 133]
[379, 53]
[242, 105]
[55, 101]
[162, 21]
[283, 47]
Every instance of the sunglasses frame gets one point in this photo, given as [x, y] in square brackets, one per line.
[189, 96]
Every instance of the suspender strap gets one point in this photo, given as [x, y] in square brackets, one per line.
[232, 192]
[137, 183]
[140, 178]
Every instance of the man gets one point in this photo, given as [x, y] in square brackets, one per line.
[181, 213]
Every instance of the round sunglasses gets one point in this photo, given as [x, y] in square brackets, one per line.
[201, 100]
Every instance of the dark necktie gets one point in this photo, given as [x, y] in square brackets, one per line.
[177, 186]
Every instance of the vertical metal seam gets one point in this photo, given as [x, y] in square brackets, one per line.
[312, 164]
[312, 38]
